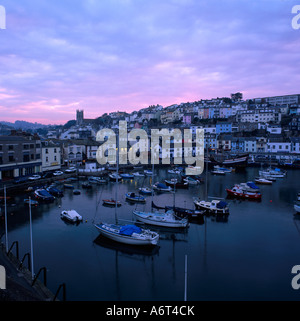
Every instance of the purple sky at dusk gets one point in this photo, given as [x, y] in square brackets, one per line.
[109, 55]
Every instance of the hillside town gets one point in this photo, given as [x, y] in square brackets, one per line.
[264, 128]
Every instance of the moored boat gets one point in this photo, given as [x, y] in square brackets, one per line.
[111, 202]
[128, 234]
[71, 215]
[132, 197]
[114, 176]
[297, 207]
[218, 172]
[159, 187]
[43, 195]
[145, 190]
[127, 176]
[32, 202]
[215, 206]
[167, 219]
[177, 183]
[263, 181]
[239, 192]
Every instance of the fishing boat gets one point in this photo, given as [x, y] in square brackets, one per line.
[128, 234]
[43, 195]
[132, 197]
[55, 191]
[263, 181]
[76, 192]
[32, 202]
[138, 174]
[127, 176]
[159, 187]
[214, 206]
[218, 172]
[113, 177]
[145, 190]
[177, 183]
[236, 191]
[71, 215]
[167, 219]
[111, 202]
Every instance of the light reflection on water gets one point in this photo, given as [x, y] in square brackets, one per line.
[247, 257]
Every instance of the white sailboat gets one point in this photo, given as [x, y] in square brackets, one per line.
[167, 219]
[129, 233]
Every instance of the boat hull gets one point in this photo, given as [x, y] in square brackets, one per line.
[158, 220]
[255, 196]
[125, 239]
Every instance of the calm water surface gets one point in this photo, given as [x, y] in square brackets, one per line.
[247, 257]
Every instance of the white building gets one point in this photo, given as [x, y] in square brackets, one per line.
[51, 157]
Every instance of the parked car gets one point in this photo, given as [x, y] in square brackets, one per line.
[47, 175]
[70, 170]
[34, 177]
[20, 180]
[58, 173]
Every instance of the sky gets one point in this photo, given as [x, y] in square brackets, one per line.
[123, 55]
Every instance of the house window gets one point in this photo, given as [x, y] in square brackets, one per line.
[11, 158]
[46, 151]
[47, 159]
[10, 147]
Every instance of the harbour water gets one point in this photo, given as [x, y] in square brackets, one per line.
[247, 256]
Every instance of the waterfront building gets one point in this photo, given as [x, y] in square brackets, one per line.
[20, 155]
[250, 145]
[51, 156]
[295, 145]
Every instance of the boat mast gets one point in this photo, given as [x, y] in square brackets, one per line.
[117, 177]
[206, 169]
[5, 216]
[31, 242]
[152, 190]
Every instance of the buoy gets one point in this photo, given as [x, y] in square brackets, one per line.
[85, 221]
[270, 201]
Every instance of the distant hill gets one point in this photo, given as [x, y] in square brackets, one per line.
[21, 124]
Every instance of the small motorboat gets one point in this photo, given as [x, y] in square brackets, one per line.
[97, 180]
[262, 180]
[113, 177]
[177, 183]
[111, 202]
[43, 195]
[76, 192]
[148, 172]
[138, 174]
[86, 185]
[145, 190]
[55, 191]
[215, 206]
[218, 172]
[127, 176]
[223, 169]
[249, 187]
[159, 187]
[191, 180]
[174, 171]
[71, 215]
[132, 197]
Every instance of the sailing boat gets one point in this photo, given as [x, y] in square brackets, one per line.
[127, 234]
[215, 206]
[167, 219]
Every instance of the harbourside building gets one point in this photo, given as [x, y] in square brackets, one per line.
[19, 156]
[51, 156]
